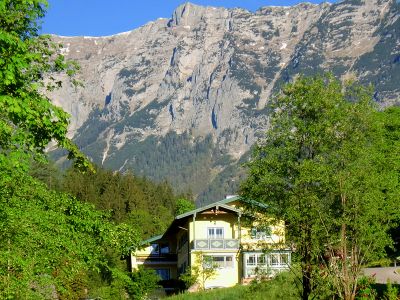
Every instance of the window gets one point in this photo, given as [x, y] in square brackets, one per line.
[284, 259]
[164, 249]
[154, 249]
[261, 233]
[157, 249]
[215, 233]
[265, 262]
[274, 259]
[182, 240]
[261, 259]
[163, 273]
[251, 260]
[220, 261]
[256, 259]
[229, 261]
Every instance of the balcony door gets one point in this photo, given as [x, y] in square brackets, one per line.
[215, 233]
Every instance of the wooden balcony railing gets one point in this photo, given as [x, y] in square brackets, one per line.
[215, 244]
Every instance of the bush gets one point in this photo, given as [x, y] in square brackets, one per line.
[391, 292]
[143, 282]
[365, 289]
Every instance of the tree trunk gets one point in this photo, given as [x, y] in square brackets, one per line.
[345, 271]
[306, 283]
[307, 266]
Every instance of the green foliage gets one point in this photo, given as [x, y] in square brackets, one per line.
[46, 172]
[185, 162]
[147, 206]
[50, 240]
[183, 205]
[150, 223]
[329, 170]
[28, 121]
[366, 290]
[51, 243]
[282, 287]
[274, 288]
[391, 292]
[143, 281]
[189, 278]
[203, 269]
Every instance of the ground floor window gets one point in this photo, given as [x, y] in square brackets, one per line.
[163, 273]
[219, 261]
[265, 263]
[182, 268]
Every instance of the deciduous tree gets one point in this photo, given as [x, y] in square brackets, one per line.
[28, 120]
[324, 168]
[49, 241]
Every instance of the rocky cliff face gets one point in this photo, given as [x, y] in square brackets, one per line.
[184, 99]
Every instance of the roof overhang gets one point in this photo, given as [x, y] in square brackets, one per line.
[216, 205]
[221, 205]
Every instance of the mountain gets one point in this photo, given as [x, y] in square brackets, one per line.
[183, 99]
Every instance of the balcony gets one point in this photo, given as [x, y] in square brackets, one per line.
[163, 258]
[216, 244]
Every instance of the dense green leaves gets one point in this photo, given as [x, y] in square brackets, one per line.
[142, 282]
[52, 246]
[149, 207]
[28, 120]
[183, 205]
[326, 167]
[51, 240]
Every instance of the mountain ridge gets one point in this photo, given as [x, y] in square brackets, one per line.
[198, 84]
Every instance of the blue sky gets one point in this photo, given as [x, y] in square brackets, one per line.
[105, 17]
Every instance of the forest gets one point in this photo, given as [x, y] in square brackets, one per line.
[64, 235]
[329, 168]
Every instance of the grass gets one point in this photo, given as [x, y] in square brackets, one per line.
[281, 287]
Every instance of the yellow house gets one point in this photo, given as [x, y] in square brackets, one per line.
[222, 232]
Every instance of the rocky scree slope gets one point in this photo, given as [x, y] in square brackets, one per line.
[183, 99]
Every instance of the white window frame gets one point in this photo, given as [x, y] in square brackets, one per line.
[227, 261]
[266, 262]
[254, 258]
[275, 259]
[214, 235]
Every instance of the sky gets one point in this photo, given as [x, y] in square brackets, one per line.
[105, 17]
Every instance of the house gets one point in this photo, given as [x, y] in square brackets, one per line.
[226, 235]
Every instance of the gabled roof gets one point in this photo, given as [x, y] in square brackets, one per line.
[229, 199]
[222, 203]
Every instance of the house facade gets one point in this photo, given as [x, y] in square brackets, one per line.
[234, 243]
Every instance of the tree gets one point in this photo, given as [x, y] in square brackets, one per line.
[142, 282]
[203, 269]
[325, 170]
[145, 205]
[28, 120]
[49, 241]
[183, 205]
